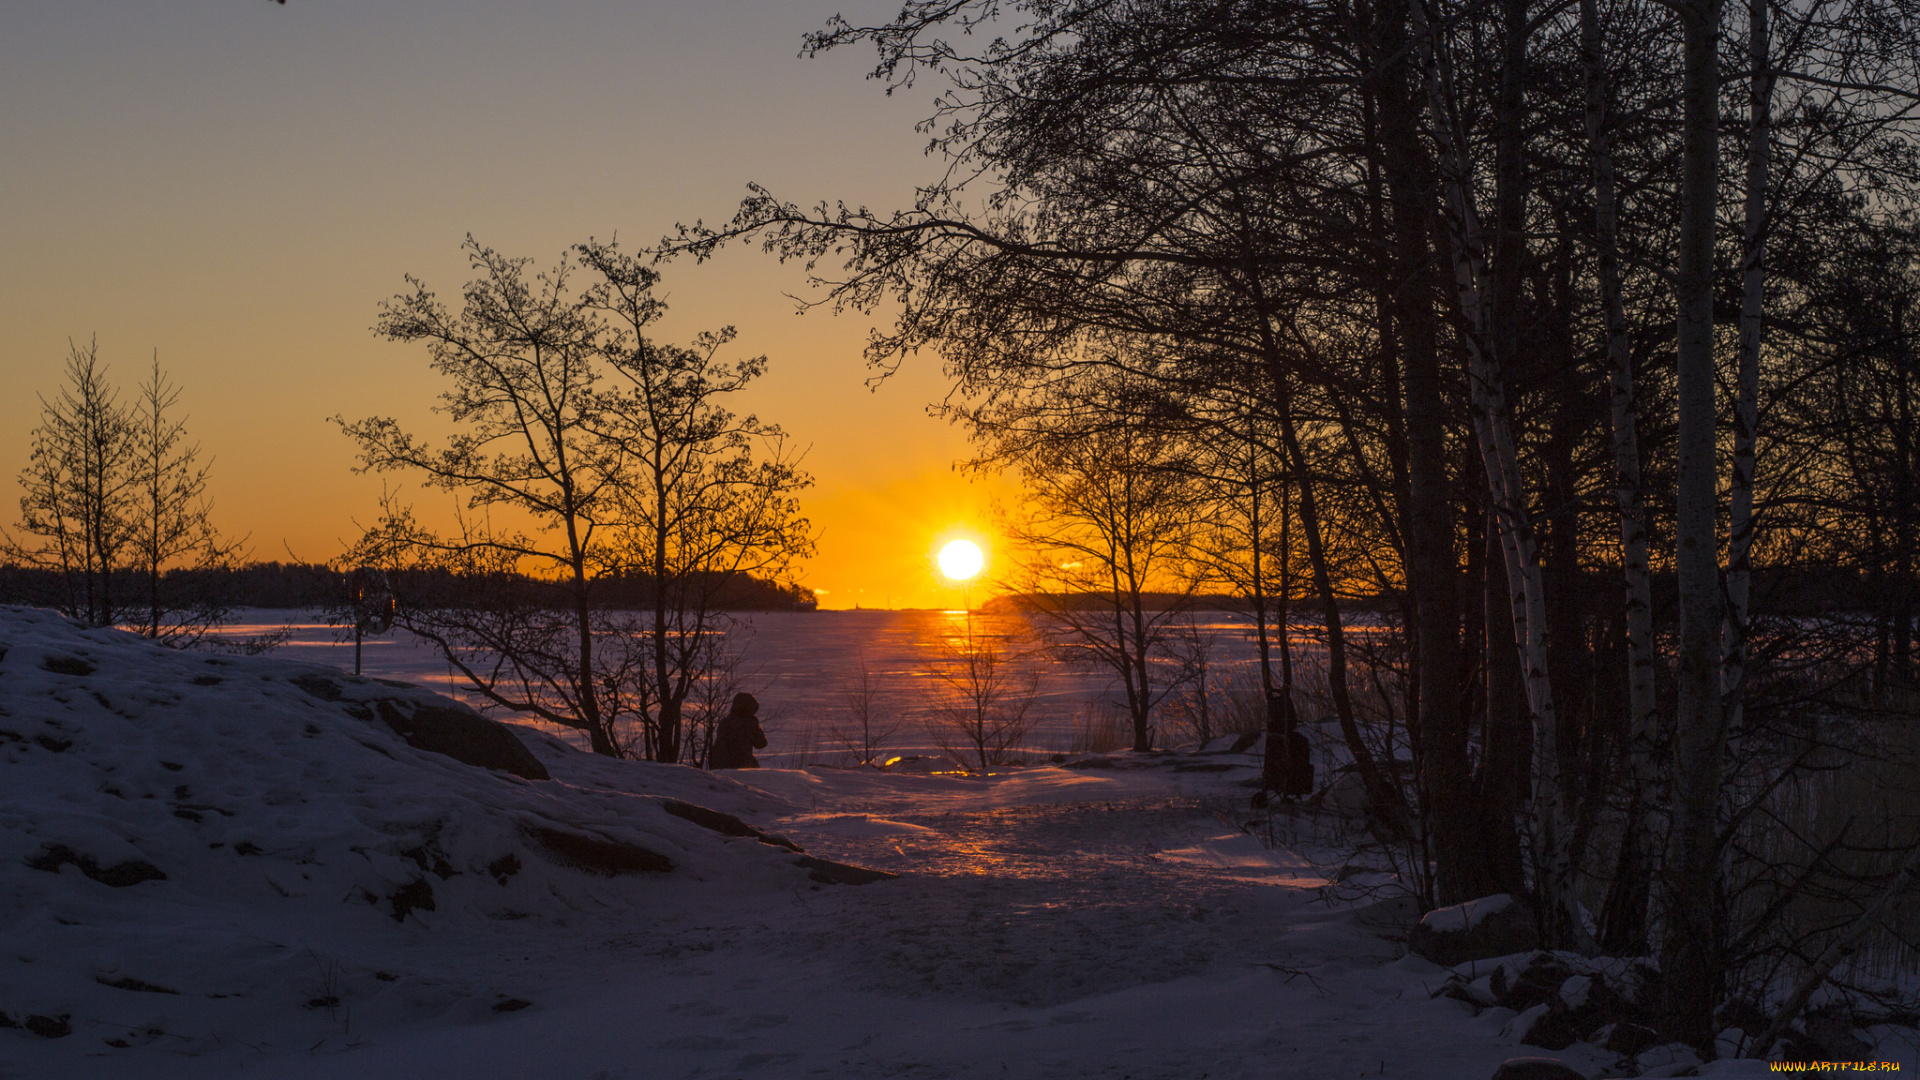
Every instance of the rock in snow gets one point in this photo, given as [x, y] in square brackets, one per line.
[1537, 1069]
[1476, 930]
[1461, 918]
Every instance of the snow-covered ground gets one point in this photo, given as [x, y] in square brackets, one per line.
[1106, 918]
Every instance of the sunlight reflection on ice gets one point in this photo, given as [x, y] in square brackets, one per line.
[798, 663]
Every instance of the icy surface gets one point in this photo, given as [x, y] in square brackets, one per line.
[1111, 922]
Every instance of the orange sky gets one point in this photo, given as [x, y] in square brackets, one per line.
[240, 184]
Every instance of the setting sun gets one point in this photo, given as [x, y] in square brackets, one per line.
[961, 559]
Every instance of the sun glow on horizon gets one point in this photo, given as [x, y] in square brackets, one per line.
[961, 560]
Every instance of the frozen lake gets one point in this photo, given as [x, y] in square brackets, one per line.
[799, 665]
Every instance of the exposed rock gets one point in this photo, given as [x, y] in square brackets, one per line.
[1557, 1030]
[1668, 1059]
[1539, 983]
[1562, 998]
[1476, 992]
[1537, 1068]
[320, 686]
[504, 867]
[427, 858]
[1522, 1025]
[828, 872]
[126, 982]
[50, 1027]
[511, 1005]
[119, 875]
[1797, 1047]
[725, 824]
[598, 855]
[67, 665]
[1835, 1035]
[414, 896]
[449, 729]
[461, 735]
[1477, 930]
[1630, 1038]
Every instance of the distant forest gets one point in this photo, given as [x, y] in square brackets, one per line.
[317, 586]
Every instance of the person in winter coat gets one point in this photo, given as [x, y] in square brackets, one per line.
[738, 736]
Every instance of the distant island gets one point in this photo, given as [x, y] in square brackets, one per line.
[316, 586]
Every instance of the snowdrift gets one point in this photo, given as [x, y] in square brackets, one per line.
[198, 851]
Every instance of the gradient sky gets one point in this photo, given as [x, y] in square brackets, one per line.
[239, 184]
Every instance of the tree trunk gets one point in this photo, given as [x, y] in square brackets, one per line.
[596, 724]
[1746, 408]
[1624, 914]
[1277, 765]
[1554, 871]
[1381, 792]
[1507, 739]
[1463, 867]
[1690, 960]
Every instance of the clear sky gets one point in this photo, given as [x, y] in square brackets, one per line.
[238, 185]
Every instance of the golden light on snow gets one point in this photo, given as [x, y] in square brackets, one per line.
[961, 559]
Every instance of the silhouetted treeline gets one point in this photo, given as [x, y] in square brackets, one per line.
[317, 586]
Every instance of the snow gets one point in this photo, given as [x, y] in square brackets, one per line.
[1574, 991]
[853, 825]
[1098, 918]
[1463, 917]
[1522, 1023]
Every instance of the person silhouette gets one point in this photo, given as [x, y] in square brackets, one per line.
[738, 736]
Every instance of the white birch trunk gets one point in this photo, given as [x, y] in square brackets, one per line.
[1553, 863]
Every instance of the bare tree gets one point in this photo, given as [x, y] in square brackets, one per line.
[983, 698]
[79, 488]
[172, 519]
[1195, 707]
[1245, 543]
[607, 461]
[867, 729]
[527, 414]
[117, 496]
[707, 496]
[1106, 524]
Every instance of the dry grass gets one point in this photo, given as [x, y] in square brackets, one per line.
[1098, 728]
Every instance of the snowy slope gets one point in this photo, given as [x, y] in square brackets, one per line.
[199, 852]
